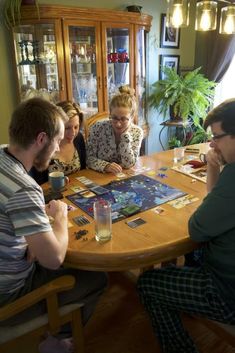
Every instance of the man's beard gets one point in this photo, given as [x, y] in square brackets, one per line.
[43, 158]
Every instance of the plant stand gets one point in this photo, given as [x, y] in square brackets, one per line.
[177, 124]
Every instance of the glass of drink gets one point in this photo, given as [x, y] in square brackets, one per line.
[103, 220]
[178, 154]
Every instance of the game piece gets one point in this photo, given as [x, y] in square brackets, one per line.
[71, 208]
[158, 210]
[80, 233]
[161, 175]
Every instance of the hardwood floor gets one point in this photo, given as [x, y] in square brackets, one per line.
[120, 325]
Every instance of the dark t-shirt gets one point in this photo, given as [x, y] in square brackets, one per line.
[214, 223]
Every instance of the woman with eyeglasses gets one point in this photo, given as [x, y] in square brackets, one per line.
[72, 154]
[114, 144]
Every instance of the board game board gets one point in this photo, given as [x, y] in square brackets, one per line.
[139, 190]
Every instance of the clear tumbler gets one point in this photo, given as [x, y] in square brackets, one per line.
[103, 220]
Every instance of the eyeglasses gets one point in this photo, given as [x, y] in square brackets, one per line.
[218, 137]
[122, 120]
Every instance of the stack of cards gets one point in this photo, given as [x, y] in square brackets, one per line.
[136, 222]
[81, 220]
[89, 183]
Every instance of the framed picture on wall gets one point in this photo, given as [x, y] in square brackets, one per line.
[172, 61]
[169, 37]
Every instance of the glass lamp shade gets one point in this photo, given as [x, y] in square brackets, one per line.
[177, 14]
[206, 16]
[227, 20]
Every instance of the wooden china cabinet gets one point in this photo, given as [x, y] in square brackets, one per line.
[81, 54]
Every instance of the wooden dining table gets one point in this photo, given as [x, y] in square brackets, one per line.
[163, 237]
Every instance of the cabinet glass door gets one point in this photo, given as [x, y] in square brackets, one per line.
[83, 65]
[141, 76]
[36, 59]
[118, 57]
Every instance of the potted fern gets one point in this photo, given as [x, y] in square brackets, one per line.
[186, 96]
[12, 10]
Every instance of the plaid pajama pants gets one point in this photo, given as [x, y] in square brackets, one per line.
[169, 291]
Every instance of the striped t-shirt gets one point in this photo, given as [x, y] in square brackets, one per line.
[22, 213]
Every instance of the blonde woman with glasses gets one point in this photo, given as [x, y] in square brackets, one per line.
[114, 144]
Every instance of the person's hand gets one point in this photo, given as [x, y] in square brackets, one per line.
[113, 168]
[57, 208]
[213, 158]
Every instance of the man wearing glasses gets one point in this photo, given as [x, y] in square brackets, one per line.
[207, 290]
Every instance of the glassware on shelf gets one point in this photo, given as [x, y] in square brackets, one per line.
[35, 45]
[24, 51]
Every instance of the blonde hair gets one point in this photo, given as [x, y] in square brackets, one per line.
[126, 98]
[72, 109]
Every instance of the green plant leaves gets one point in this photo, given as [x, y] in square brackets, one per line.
[191, 94]
[12, 12]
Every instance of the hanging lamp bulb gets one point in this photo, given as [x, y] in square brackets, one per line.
[227, 20]
[206, 15]
[177, 14]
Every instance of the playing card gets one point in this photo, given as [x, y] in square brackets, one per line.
[183, 201]
[135, 222]
[77, 189]
[120, 175]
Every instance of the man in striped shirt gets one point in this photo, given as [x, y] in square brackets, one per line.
[31, 250]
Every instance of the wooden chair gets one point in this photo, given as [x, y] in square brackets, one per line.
[11, 336]
[92, 120]
[225, 331]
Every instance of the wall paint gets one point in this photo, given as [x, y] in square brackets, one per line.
[154, 7]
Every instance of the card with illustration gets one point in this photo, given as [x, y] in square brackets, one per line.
[76, 188]
[183, 201]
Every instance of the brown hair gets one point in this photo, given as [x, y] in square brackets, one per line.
[224, 113]
[72, 109]
[32, 117]
[126, 98]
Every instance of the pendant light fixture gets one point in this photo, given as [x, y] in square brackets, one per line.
[206, 15]
[177, 14]
[227, 20]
